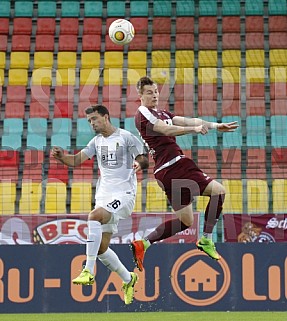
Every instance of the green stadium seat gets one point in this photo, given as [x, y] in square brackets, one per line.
[82, 140]
[208, 7]
[116, 9]
[256, 131]
[184, 141]
[47, 9]
[278, 125]
[162, 8]
[70, 9]
[13, 141]
[254, 8]
[61, 140]
[209, 140]
[230, 8]
[13, 126]
[83, 127]
[277, 7]
[93, 9]
[62, 126]
[34, 141]
[37, 126]
[115, 122]
[185, 8]
[139, 8]
[130, 126]
[23, 9]
[233, 139]
[4, 8]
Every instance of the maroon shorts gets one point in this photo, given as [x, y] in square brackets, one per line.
[181, 182]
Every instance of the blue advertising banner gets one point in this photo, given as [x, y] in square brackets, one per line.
[177, 277]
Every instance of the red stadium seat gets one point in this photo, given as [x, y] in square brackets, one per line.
[112, 92]
[40, 93]
[22, 26]
[114, 107]
[207, 92]
[278, 107]
[3, 42]
[44, 42]
[0, 94]
[58, 170]
[161, 41]
[183, 108]
[255, 90]
[110, 46]
[183, 92]
[91, 43]
[39, 109]
[20, 43]
[132, 94]
[256, 163]
[69, 26]
[207, 108]
[139, 42]
[131, 108]
[279, 162]
[207, 24]
[82, 105]
[4, 26]
[254, 24]
[231, 24]
[277, 40]
[9, 158]
[255, 107]
[63, 109]
[184, 25]
[230, 91]
[92, 26]
[64, 93]
[207, 161]
[68, 43]
[277, 23]
[84, 172]
[254, 40]
[16, 93]
[88, 93]
[33, 163]
[231, 107]
[231, 164]
[207, 41]
[161, 25]
[14, 109]
[278, 90]
[184, 41]
[46, 26]
[231, 41]
[140, 24]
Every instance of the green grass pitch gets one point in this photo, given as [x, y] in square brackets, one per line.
[149, 316]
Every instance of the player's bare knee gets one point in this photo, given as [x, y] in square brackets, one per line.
[95, 215]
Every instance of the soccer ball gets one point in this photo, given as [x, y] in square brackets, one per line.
[121, 32]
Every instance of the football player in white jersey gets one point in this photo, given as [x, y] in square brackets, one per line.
[120, 155]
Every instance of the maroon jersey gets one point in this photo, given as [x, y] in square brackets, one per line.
[162, 148]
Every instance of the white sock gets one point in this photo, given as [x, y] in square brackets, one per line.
[113, 263]
[207, 235]
[93, 244]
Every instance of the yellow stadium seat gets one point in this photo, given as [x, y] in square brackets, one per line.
[7, 198]
[207, 75]
[138, 202]
[184, 75]
[255, 58]
[31, 195]
[279, 192]
[230, 75]
[2, 59]
[89, 76]
[160, 75]
[255, 74]
[231, 58]
[42, 76]
[201, 203]
[207, 58]
[2, 77]
[56, 195]
[155, 198]
[278, 74]
[67, 59]
[137, 59]
[113, 76]
[43, 59]
[18, 77]
[19, 60]
[233, 202]
[184, 58]
[278, 57]
[90, 59]
[257, 196]
[81, 197]
[113, 59]
[160, 58]
[133, 75]
[66, 77]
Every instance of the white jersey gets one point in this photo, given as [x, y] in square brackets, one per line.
[115, 155]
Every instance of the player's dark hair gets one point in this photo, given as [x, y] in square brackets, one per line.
[101, 109]
[143, 82]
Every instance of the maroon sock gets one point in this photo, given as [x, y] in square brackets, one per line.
[166, 229]
[212, 212]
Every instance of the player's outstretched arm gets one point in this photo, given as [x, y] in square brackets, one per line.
[67, 159]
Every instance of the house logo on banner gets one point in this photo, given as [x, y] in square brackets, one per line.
[200, 281]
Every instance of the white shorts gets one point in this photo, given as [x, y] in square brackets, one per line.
[120, 208]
